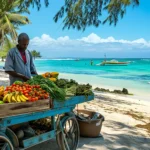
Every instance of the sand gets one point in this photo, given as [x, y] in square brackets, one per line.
[126, 125]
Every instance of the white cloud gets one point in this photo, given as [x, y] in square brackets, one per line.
[92, 42]
[94, 38]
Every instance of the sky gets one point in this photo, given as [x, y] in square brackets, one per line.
[129, 39]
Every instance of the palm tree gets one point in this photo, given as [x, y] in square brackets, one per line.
[11, 19]
[6, 47]
[35, 54]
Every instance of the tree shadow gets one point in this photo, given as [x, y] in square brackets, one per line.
[112, 101]
[128, 139]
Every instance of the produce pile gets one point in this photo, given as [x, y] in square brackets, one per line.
[55, 92]
[22, 92]
[41, 125]
[42, 87]
[53, 76]
[73, 88]
[1, 91]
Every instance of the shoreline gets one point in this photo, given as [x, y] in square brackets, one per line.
[141, 94]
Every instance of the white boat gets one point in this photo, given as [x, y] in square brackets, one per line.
[113, 62]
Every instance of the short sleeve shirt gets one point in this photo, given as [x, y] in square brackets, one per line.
[15, 62]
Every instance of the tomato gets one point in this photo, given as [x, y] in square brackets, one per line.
[33, 99]
[26, 94]
[36, 98]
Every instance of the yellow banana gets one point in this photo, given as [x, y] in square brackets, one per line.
[5, 98]
[10, 97]
[13, 99]
[24, 97]
[18, 98]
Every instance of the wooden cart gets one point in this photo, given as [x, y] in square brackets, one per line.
[63, 127]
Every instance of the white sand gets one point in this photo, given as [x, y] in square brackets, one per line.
[119, 131]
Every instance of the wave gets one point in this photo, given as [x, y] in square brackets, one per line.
[55, 59]
[41, 59]
[145, 59]
[130, 61]
[62, 59]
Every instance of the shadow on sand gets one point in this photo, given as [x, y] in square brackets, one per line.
[123, 137]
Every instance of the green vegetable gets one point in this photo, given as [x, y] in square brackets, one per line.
[49, 86]
[1, 102]
[17, 82]
[64, 83]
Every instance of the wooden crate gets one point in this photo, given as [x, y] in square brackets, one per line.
[12, 109]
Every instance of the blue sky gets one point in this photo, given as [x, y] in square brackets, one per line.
[130, 38]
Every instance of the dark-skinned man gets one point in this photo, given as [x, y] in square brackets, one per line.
[20, 67]
[19, 62]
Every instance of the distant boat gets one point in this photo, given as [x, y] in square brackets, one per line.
[77, 59]
[113, 62]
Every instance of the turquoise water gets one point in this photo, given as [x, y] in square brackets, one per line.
[135, 76]
[137, 70]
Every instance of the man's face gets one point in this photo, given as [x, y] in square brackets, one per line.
[23, 44]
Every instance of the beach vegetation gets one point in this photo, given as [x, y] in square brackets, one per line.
[10, 19]
[7, 45]
[123, 91]
[36, 54]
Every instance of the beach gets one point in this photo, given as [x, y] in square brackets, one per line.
[126, 125]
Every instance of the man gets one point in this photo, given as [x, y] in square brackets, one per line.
[19, 63]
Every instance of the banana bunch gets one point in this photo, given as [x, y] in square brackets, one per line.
[2, 90]
[14, 97]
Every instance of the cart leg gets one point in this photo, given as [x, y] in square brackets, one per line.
[53, 123]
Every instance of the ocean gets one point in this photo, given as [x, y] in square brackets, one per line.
[135, 76]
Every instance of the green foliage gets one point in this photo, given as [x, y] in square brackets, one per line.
[11, 19]
[35, 54]
[79, 14]
[7, 45]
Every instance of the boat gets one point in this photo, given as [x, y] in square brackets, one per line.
[77, 59]
[113, 62]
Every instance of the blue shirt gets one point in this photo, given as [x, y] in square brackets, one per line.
[14, 62]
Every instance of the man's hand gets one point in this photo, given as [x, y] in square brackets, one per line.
[18, 75]
[25, 78]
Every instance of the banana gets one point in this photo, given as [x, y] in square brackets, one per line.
[24, 97]
[10, 97]
[13, 99]
[18, 98]
[5, 98]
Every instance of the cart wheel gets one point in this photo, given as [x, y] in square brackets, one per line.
[5, 143]
[68, 137]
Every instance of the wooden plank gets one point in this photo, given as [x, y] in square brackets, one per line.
[39, 139]
[11, 109]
